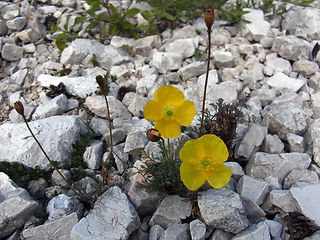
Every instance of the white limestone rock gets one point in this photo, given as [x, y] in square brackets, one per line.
[313, 138]
[132, 124]
[176, 232]
[264, 165]
[291, 47]
[172, 210]
[276, 64]
[197, 230]
[256, 231]
[62, 205]
[155, 232]
[306, 198]
[78, 86]
[272, 144]
[186, 47]
[143, 46]
[258, 28]
[252, 139]
[253, 189]
[53, 107]
[303, 22]
[297, 176]
[237, 171]
[97, 105]
[296, 143]
[281, 82]
[166, 61]
[221, 235]
[137, 105]
[222, 209]
[283, 200]
[56, 135]
[223, 59]
[136, 141]
[275, 228]
[113, 217]
[191, 70]
[16, 206]
[11, 52]
[252, 210]
[93, 154]
[59, 229]
[305, 67]
[58, 180]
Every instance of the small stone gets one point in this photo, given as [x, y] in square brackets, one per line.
[223, 59]
[19, 76]
[11, 52]
[313, 138]
[17, 24]
[155, 232]
[256, 231]
[253, 189]
[221, 235]
[275, 228]
[176, 232]
[272, 144]
[3, 28]
[254, 213]
[58, 180]
[143, 46]
[62, 205]
[29, 35]
[274, 65]
[296, 176]
[237, 171]
[93, 154]
[283, 200]
[172, 210]
[166, 61]
[136, 140]
[185, 47]
[197, 230]
[296, 143]
[194, 69]
[280, 81]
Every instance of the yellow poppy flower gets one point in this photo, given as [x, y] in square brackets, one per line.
[202, 160]
[169, 110]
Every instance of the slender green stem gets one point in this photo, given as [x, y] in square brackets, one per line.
[206, 83]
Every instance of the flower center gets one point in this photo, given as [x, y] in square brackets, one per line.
[169, 112]
[205, 166]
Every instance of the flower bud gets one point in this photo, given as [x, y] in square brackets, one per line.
[19, 107]
[100, 81]
[209, 17]
[153, 135]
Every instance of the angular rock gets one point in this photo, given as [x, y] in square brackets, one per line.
[263, 165]
[197, 230]
[254, 213]
[272, 144]
[296, 176]
[221, 235]
[16, 206]
[255, 231]
[16, 24]
[106, 218]
[52, 230]
[29, 35]
[172, 210]
[253, 74]
[303, 22]
[252, 139]
[11, 52]
[306, 198]
[78, 86]
[185, 47]
[63, 205]
[237, 171]
[176, 232]
[285, 118]
[253, 189]
[53, 107]
[121, 158]
[258, 28]
[283, 200]
[93, 154]
[155, 232]
[185, 32]
[275, 228]
[97, 105]
[58, 180]
[146, 84]
[296, 143]
[136, 141]
[292, 47]
[16, 144]
[281, 82]
[223, 59]
[313, 137]
[166, 61]
[133, 124]
[136, 105]
[222, 209]
[144, 202]
[194, 69]
[143, 46]
[274, 65]
[305, 67]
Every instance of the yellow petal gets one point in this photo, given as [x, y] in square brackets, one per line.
[153, 111]
[214, 148]
[168, 128]
[185, 113]
[168, 95]
[220, 176]
[191, 178]
[192, 152]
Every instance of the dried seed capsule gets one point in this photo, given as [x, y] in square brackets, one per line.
[209, 17]
[19, 107]
[153, 135]
[100, 81]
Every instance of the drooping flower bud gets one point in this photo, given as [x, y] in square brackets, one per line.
[100, 81]
[153, 135]
[19, 107]
[209, 17]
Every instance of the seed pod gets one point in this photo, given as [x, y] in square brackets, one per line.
[153, 135]
[209, 17]
[100, 81]
[19, 107]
